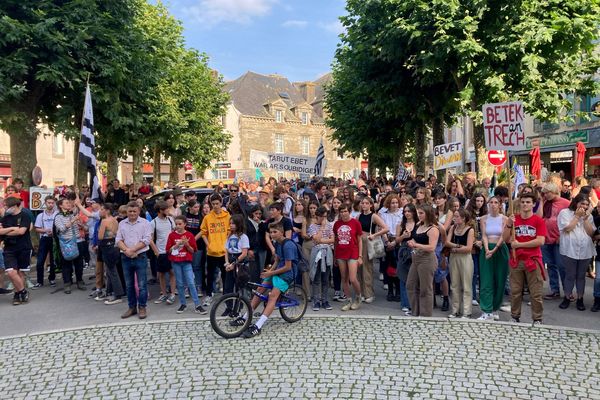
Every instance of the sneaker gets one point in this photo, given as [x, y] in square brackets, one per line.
[252, 331]
[380, 277]
[161, 299]
[327, 306]
[552, 296]
[485, 317]
[37, 286]
[68, 288]
[113, 300]
[515, 320]
[385, 286]
[453, 315]
[496, 316]
[342, 298]
[565, 303]
[24, 296]
[408, 313]
[466, 317]
[53, 283]
[346, 307]
[505, 309]
[405, 309]
[316, 305]
[355, 305]
[239, 321]
[101, 296]
[81, 285]
[16, 299]
[5, 291]
[369, 300]
[200, 310]
[94, 292]
[475, 303]
[187, 293]
[336, 296]
[181, 309]
[537, 323]
[207, 301]
[171, 299]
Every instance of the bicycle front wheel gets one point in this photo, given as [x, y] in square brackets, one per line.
[226, 315]
[293, 304]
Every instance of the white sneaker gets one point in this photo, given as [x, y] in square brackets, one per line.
[496, 316]
[485, 317]
[405, 309]
[453, 315]
[505, 308]
[207, 301]
[385, 287]
[475, 303]
[369, 300]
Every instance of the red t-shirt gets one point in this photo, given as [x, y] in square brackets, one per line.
[181, 254]
[347, 236]
[527, 230]
[24, 197]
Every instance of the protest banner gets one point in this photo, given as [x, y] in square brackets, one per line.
[447, 155]
[504, 127]
[282, 162]
[37, 195]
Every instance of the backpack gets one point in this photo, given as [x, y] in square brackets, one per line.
[303, 264]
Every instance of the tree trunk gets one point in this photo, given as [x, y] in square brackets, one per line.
[371, 167]
[112, 166]
[173, 170]
[23, 153]
[437, 128]
[420, 138]
[156, 166]
[138, 159]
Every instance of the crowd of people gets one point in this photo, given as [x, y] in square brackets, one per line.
[459, 244]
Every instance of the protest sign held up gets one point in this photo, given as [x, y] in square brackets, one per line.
[504, 127]
[447, 155]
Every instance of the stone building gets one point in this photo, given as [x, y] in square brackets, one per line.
[268, 113]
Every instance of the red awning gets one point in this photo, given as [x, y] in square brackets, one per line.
[594, 160]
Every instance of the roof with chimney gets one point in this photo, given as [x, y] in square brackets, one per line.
[252, 93]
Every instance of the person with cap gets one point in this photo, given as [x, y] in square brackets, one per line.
[15, 227]
[552, 204]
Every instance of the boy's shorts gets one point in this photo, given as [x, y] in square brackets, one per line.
[277, 282]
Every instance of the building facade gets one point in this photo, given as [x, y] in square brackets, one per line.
[268, 113]
[55, 156]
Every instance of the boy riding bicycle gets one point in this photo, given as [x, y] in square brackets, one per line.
[278, 277]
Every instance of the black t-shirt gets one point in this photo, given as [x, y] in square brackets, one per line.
[192, 224]
[17, 243]
[287, 224]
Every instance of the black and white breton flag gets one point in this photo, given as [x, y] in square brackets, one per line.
[87, 144]
[320, 160]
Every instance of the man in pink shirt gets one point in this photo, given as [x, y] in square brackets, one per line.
[552, 204]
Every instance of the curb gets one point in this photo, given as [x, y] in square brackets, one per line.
[363, 317]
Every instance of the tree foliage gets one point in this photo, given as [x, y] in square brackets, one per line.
[404, 64]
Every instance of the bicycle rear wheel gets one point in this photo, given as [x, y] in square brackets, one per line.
[293, 304]
[225, 314]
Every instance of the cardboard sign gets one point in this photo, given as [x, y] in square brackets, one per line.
[36, 197]
[447, 155]
[282, 162]
[504, 127]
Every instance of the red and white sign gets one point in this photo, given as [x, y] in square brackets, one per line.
[504, 127]
[496, 157]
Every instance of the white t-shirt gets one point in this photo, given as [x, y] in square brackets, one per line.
[161, 227]
[45, 221]
[576, 244]
[235, 244]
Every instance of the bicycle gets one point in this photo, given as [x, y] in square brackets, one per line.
[227, 309]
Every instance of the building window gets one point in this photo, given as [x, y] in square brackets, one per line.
[58, 145]
[304, 116]
[279, 148]
[278, 116]
[305, 145]
[222, 174]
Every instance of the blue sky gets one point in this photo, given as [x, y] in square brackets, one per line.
[294, 38]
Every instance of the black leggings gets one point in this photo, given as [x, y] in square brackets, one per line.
[227, 278]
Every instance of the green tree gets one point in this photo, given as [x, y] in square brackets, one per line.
[47, 49]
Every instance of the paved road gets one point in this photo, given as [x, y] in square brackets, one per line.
[51, 311]
[316, 358]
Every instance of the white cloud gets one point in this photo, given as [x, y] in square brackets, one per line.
[333, 27]
[294, 24]
[212, 12]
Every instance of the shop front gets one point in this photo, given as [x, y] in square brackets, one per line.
[558, 151]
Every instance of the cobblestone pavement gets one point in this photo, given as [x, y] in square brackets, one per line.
[316, 358]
